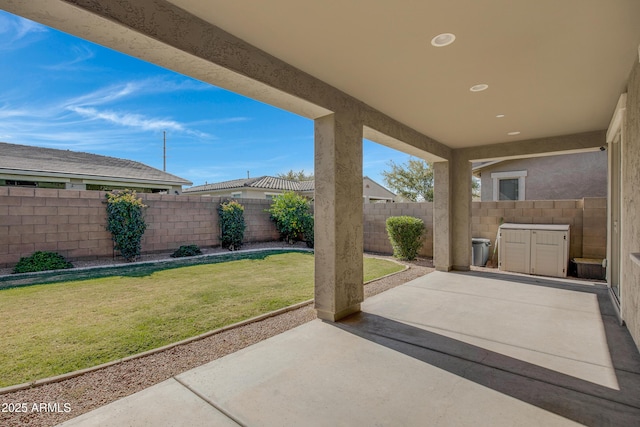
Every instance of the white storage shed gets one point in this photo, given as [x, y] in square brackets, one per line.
[541, 249]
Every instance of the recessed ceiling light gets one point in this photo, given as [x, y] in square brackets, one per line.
[500, 116]
[513, 133]
[444, 39]
[479, 88]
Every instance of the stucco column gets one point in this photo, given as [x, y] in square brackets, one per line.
[338, 216]
[460, 175]
[441, 216]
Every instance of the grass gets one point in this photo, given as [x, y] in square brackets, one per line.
[57, 328]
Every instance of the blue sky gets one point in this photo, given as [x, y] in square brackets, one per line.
[59, 91]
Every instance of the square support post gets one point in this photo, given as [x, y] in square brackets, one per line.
[442, 216]
[452, 214]
[460, 174]
[338, 216]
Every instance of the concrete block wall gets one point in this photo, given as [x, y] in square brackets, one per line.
[594, 234]
[73, 223]
[70, 222]
[375, 232]
[259, 227]
[173, 221]
[587, 218]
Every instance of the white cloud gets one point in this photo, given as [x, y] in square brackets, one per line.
[103, 95]
[14, 29]
[130, 120]
[80, 53]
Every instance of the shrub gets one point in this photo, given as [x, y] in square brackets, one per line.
[308, 231]
[186, 250]
[231, 224]
[41, 261]
[405, 234]
[126, 223]
[292, 215]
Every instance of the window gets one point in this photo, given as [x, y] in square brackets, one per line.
[508, 185]
[270, 196]
[237, 195]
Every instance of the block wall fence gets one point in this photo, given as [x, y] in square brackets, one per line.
[73, 223]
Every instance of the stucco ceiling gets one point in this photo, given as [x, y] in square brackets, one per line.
[554, 67]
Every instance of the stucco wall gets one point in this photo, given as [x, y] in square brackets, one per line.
[562, 177]
[630, 286]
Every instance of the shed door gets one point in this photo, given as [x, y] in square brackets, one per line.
[515, 250]
[548, 253]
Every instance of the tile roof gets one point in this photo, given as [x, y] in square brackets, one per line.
[14, 157]
[263, 182]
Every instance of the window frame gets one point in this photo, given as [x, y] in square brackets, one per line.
[519, 175]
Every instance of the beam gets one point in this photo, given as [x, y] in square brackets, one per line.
[566, 144]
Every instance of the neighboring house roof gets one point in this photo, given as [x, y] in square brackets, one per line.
[29, 160]
[264, 183]
[478, 166]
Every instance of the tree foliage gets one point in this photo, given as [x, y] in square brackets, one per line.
[126, 223]
[412, 180]
[300, 175]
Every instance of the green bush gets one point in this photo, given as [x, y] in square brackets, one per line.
[231, 224]
[292, 215]
[308, 231]
[126, 223]
[405, 235]
[186, 250]
[41, 261]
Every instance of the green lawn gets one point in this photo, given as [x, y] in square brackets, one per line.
[57, 328]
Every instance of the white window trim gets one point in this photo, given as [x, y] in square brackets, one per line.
[266, 195]
[236, 195]
[497, 176]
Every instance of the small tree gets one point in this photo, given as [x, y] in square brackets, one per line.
[292, 215]
[405, 235]
[126, 223]
[412, 180]
[292, 175]
[232, 224]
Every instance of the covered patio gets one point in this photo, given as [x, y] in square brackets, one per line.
[518, 79]
[461, 349]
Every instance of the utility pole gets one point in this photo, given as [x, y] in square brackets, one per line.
[164, 150]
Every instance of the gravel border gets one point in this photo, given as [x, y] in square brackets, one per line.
[90, 390]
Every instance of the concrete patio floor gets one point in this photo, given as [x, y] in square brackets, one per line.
[463, 349]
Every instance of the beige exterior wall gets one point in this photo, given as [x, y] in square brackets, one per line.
[561, 177]
[630, 232]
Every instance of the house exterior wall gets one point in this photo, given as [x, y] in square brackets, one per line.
[373, 190]
[630, 232]
[561, 177]
[246, 193]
